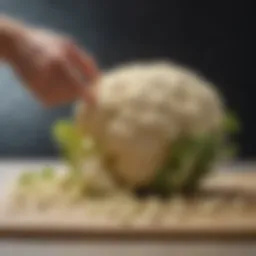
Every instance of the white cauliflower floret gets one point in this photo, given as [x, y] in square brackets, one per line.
[141, 110]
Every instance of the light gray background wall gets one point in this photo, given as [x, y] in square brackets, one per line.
[212, 37]
[24, 124]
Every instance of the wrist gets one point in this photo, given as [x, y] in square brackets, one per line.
[9, 31]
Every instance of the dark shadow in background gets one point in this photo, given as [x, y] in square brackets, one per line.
[215, 38]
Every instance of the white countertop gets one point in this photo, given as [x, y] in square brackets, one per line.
[11, 248]
[10, 168]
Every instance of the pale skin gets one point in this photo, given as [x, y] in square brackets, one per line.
[52, 66]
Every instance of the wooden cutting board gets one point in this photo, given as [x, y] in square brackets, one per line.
[193, 225]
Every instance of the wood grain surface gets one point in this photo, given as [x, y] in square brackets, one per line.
[225, 185]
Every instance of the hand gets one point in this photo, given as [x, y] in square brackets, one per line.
[54, 68]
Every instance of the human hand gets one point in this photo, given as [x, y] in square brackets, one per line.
[53, 67]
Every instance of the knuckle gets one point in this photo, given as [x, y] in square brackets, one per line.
[68, 41]
[68, 45]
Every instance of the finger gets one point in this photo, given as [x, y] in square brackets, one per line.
[83, 62]
[87, 66]
[69, 82]
[84, 91]
[65, 97]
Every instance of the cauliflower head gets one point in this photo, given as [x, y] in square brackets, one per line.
[145, 114]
